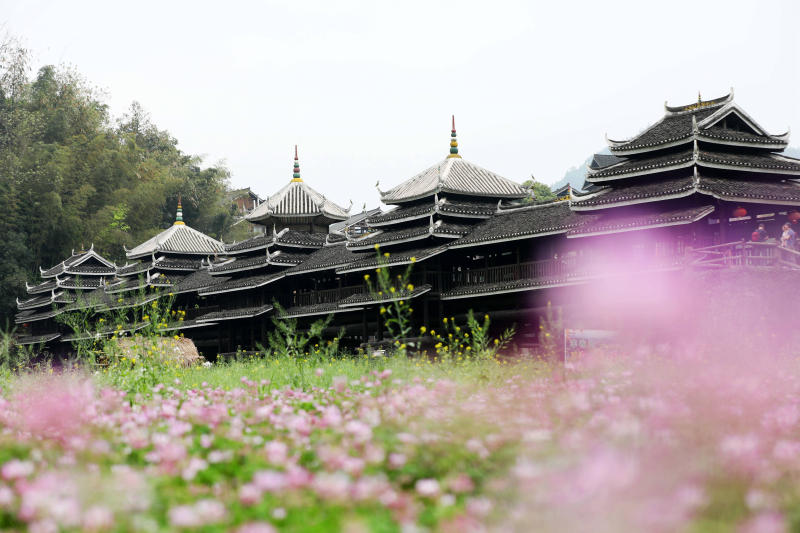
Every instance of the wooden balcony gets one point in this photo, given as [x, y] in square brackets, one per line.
[745, 254]
[324, 296]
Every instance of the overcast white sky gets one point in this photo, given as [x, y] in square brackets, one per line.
[367, 88]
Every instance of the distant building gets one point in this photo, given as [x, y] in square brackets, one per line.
[245, 200]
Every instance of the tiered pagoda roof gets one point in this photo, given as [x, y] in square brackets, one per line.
[695, 156]
[179, 239]
[63, 285]
[439, 205]
[297, 202]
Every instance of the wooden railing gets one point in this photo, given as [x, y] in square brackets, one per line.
[324, 296]
[548, 268]
[745, 254]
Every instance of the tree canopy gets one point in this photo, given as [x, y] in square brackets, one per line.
[72, 176]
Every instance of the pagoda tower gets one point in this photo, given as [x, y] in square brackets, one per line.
[707, 161]
[62, 287]
[296, 220]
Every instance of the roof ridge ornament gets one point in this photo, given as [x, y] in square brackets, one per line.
[296, 170]
[695, 129]
[453, 142]
[179, 213]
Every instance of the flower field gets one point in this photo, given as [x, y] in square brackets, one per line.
[640, 443]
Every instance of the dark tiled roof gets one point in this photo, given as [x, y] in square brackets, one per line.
[45, 286]
[669, 129]
[80, 282]
[369, 260]
[126, 284]
[401, 213]
[639, 192]
[468, 209]
[758, 161]
[89, 269]
[454, 175]
[166, 280]
[367, 298]
[21, 319]
[484, 289]
[75, 264]
[178, 239]
[287, 258]
[65, 298]
[37, 339]
[726, 134]
[734, 189]
[523, 223]
[644, 164]
[232, 314]
[96, 298]
[452, 229]
[36, 301]
[254, 243]
[279, 258]
[239, 284]
[304, 239]
[175, 263]
[440, 229]
[131, 301]
[197, 280]
[245, 263]
[617, 223]
[604, 160]
[390, 236]
[316, 309]
[135, 268]
[325, 258]
[295, 199]
[186, 324]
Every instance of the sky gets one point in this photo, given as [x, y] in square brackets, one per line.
[367, 88]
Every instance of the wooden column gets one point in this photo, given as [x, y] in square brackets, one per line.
[723, 222]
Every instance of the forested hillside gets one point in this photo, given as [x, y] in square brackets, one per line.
[72, 175]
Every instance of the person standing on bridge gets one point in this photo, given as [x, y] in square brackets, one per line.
[760, 234]
[788, 237]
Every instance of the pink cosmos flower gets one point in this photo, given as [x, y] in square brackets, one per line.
[256, 527]
[15, 469]
[98, 518]
[427, 488]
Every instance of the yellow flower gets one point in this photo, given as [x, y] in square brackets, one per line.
[386, 254]
[413, 259]
[378, 270]
[496, 341]
[410, 287]
[383, 310]
[377, 246]
[391, 289]
[422, 329]
[366, 277]
[444, 320]
[146, 317]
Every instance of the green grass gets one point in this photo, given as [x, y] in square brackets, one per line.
[307, 373]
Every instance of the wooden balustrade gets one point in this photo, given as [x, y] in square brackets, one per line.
[746, 254]
[325, 296]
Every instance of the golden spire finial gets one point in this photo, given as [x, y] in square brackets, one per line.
[453, 142]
